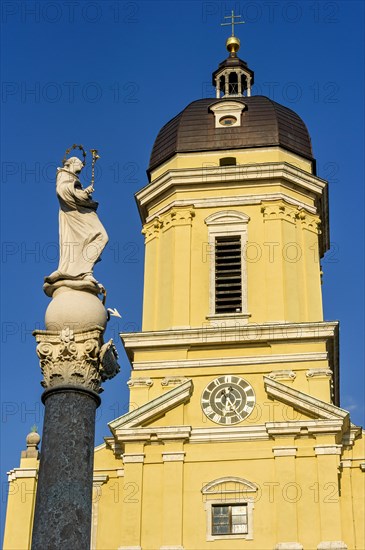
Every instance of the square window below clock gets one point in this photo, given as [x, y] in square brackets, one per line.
[229, 520]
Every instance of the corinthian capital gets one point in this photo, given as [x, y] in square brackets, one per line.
[76, 358]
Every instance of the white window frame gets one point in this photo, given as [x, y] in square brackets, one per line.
[217, 493]
[227, 223]
[225, 108]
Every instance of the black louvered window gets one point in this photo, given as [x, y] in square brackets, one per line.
[228, 275]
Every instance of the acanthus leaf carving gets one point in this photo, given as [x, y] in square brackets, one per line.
[77, 359]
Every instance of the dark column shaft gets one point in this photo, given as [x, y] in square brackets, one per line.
[62, 519]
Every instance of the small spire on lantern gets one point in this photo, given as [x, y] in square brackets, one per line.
[233, 78]
[233, 43]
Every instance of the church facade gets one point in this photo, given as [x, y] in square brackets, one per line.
[235, 437]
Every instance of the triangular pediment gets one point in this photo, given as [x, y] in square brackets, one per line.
[155, 409]
[306, 404]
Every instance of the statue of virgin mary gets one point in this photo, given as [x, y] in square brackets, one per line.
[82, 237]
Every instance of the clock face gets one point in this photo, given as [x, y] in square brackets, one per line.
[228, 400]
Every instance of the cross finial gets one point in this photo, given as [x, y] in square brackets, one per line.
[232, 17]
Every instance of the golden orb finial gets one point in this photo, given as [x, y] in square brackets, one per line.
[233, 45]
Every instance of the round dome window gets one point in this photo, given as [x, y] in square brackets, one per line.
[227, 120]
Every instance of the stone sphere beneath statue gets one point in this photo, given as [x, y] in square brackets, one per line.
[78, 310]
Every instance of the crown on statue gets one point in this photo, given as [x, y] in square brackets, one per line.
[68, 151]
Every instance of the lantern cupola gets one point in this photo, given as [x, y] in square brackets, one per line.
[233, 78]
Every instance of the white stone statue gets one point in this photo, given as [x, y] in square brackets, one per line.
[81, 234]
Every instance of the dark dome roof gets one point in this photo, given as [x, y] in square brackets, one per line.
[265, 123]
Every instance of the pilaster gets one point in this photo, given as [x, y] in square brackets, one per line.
[180, 221]
[287, 493]
[347, 504]
[139, 390]
[173, 490]
[21, 499]
[273, 215]
[131, 519]
[98, 481]
[328, 461]
[152, 232]
[310, 231]
[320, 382]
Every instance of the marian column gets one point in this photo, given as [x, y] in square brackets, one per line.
[74, 361]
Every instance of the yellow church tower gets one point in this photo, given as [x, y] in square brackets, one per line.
[235, 438]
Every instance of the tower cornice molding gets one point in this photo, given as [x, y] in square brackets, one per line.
[212, 335]
[236, 361]
[240, 173]
[232, 202]
[207, 335]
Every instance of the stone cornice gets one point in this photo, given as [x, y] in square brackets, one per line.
[155, 434]
[173, 381]
[141, 382]
[319, 373]
[288, 546]
[284, 451]
[231, 202]
[332, 545]
[17, 473]
[234, 361]
[328, 449]
[353, 433]
[133, 458]
[211, 335]
[300, 428]
[228, 434]
[283, 375]
[99, 479]
[173, 456]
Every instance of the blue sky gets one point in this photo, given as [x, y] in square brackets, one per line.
[108, 75]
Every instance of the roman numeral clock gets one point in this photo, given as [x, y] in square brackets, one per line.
[228, 400]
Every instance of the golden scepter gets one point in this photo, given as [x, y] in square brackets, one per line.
[95, 156]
